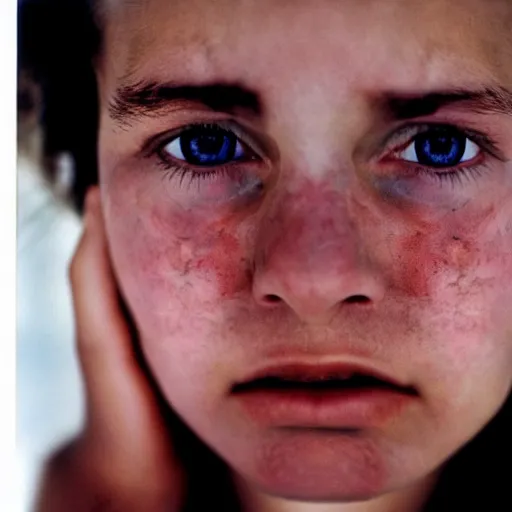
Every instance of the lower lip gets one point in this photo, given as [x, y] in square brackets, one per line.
[345, 409]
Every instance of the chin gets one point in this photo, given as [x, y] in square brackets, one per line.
[318, 468]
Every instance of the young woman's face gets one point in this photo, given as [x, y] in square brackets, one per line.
[347, 200]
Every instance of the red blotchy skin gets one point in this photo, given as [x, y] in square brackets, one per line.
[424, 254]
[219, 263]
[224, 261]
[339, 255]
[323, 461]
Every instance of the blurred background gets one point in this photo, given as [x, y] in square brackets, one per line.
[56, 42]
[49, 393]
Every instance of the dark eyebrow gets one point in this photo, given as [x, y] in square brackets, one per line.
[152, 98]
[490, 100]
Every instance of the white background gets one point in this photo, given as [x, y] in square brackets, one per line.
[8, 469]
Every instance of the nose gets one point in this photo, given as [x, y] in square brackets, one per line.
[311, 257]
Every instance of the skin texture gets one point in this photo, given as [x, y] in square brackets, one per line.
[268, 263]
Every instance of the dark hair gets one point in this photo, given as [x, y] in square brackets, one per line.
[58, 40]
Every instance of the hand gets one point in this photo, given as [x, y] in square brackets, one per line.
[125, 445]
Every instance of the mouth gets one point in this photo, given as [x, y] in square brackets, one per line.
[340, 396]
[321, 378]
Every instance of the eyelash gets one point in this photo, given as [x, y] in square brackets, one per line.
[470, 172]
[173, 168]
[456, 174]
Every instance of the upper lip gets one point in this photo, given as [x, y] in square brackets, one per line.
[301, 372]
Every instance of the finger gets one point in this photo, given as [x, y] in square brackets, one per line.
[98, 315]
[104, 343]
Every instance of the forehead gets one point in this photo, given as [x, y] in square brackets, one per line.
[396, 44]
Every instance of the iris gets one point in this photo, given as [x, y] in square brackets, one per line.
[440, 148]
[208, 146]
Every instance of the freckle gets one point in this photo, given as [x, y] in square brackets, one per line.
[460, 253]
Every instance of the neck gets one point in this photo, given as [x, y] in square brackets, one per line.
[412, 499]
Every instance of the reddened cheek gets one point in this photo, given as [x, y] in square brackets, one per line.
[427, 260]
[416, 263]
[452, 251]
[202, 250]
[224, 262]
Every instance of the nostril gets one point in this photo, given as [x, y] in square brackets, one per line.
[357, 299]
[272, 298]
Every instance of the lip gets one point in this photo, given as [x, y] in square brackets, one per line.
[314, 372]
[335, 407]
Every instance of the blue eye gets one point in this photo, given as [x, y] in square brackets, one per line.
[206, 145]
[441, 147]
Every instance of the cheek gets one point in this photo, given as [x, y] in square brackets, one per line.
[460, 273]
[209, 254]
[177, 272]
[430, 259]
[464, 255]
[220, 261]
[171, 264]
[451, 276]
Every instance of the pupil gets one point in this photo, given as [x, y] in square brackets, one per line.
[440, 149]
[208, 146]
